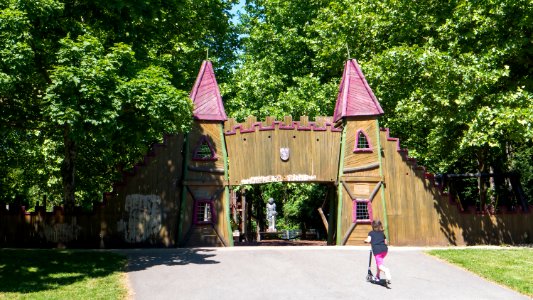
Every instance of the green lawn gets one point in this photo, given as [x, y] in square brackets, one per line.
[510, 267]
[61, 274]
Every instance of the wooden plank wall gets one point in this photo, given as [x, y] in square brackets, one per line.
[49, 229]
[420, 215]
[144, 208]
[254, 150]
[205, 180]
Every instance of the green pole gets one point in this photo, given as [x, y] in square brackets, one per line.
[382, 188]
[226, 187]
[184, 189]
[339, 185]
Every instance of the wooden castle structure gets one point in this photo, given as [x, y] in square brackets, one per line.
[179, 196]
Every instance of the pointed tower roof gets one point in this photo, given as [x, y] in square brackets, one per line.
[355, 96]
[206, 97]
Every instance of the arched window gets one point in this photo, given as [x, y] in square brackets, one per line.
[362, 142]
[204, 150]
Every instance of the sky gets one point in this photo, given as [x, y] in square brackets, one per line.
[237, 8]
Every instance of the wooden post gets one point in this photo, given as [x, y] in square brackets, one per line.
[233, 194]
[339, 185]
[383, 202]
[226, 187]
[244, 217]
[180, 239]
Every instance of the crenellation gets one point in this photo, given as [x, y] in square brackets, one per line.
[270, 123]
[287, 121]
[250, 122]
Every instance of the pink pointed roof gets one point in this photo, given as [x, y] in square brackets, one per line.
[206, 97]
[355, 96]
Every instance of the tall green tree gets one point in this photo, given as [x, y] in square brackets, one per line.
[88, 85]
[454, 78]
[277, 75]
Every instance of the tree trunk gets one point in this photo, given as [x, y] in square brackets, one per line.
[68, 170]
[482, 187]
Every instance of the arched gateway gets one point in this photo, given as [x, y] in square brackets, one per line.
[341, 150]
[181, 195]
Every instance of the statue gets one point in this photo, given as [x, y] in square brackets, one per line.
[271, 215]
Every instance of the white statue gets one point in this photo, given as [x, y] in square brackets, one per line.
[271, 215]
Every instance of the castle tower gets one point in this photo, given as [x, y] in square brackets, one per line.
[360, 179]
[204, 217]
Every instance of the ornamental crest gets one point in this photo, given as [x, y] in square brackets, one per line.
[284, 154]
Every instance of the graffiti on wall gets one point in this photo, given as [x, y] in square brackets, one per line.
[143, 221]
[61, 232]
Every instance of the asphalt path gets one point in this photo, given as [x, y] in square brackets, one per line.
[298, 273]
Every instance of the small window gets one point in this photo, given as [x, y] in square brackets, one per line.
[362, 142]
[362, 211]
[204, 212]
[204, 150]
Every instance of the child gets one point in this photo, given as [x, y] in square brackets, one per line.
[378, 241]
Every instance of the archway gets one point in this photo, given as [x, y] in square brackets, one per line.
[304, 214]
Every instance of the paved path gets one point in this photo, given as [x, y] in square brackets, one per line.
[298, 273]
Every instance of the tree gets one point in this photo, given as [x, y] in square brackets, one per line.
[296, 203]
[277, 76]
[453, 78]
[88, 85]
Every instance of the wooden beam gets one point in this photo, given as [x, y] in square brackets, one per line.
[324, 220]
[206, 183]
[219, 236]
[348, 190]
[348, 233]
[206, 169]
[361, 168]
[375, 191]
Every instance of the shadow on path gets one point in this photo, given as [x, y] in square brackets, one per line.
[143, 259]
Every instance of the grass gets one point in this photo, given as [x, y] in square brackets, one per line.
[61, 274]
[509, 267]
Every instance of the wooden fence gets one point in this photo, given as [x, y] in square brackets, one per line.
[419, 213]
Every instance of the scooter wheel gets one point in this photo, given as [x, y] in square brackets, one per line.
[369, 278]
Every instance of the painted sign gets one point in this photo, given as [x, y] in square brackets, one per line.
[278, 178]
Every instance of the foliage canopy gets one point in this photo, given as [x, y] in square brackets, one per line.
[88, 85]
[454, 78]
